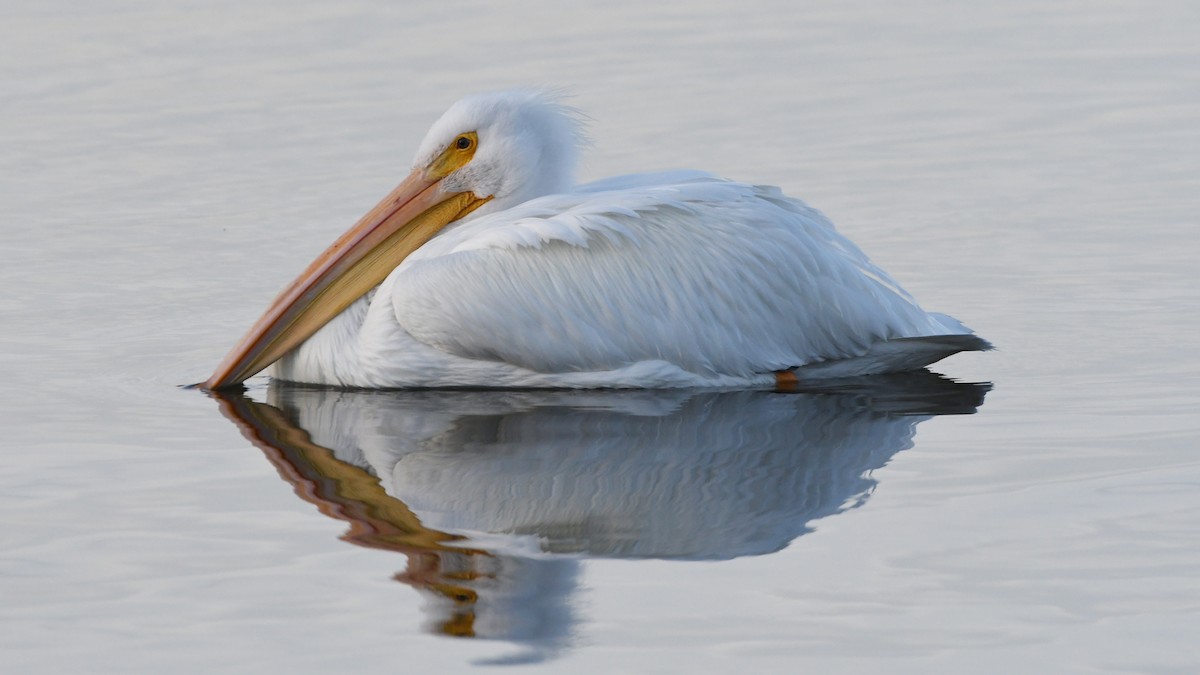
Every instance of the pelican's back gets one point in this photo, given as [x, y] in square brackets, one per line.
[716, 277]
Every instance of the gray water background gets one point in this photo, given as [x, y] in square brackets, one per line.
[1032, 168]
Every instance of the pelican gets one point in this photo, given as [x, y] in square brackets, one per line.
[487, 266]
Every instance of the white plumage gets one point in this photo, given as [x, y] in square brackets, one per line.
[652, 280]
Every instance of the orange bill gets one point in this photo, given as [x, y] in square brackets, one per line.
[358, 261]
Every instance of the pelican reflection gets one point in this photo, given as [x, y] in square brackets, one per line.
[496, 496]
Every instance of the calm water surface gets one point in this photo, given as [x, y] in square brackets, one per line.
[1032, 168]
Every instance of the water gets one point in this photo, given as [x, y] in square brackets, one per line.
[1031, 168]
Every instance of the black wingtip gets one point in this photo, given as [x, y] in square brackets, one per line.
[234, 388]
[963, 342]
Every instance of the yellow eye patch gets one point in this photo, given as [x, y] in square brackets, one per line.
[455, 156]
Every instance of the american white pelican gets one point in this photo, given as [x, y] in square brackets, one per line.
[487, 266]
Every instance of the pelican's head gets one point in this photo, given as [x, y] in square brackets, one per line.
[488, 152]
[506, 146]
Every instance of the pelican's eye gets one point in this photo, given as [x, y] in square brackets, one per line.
[463, 143]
